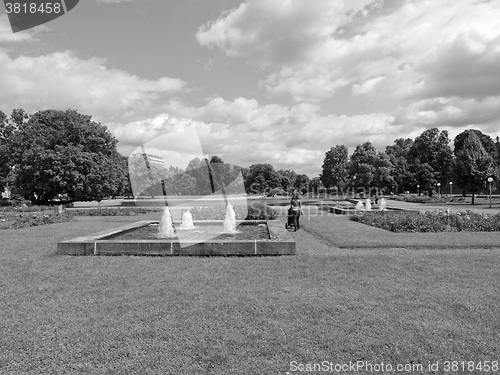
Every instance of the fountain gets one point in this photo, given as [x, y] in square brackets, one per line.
[368, 204]
[187, 221]
[383, 204]
[359, 206]
[166, 228]
[230, 220]
[210, 237]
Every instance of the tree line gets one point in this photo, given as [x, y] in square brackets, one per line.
[53, 154]
[418, 164]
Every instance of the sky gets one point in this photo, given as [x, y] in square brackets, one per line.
[262, 81]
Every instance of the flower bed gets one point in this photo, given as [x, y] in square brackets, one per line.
[129, 211]
[430, 221]
[16, 220]
[25, 208]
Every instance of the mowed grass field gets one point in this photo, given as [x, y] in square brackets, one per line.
[240, 315]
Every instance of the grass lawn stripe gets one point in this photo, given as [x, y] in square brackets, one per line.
[339, 231]
[229, 315]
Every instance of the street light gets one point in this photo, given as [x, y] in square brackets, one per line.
[451, 188]
[439, 189]
[490, 180]
[418, 190]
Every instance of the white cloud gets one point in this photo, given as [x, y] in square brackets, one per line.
[452, 112]
[366, 87]
[63, 80]
[244, 132]
[421, 48]
[7, 36]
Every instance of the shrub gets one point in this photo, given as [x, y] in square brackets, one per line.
[4, 202]
[430, 221]
[129, 211]
[421, 198]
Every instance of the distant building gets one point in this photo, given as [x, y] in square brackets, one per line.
[152, 159]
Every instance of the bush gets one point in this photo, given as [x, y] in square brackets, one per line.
[430, 221]
[4, 202]
[421, 198]
[254, 211]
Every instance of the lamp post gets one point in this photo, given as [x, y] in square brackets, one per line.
[451, 188]
[439, 189]
[490, 180]
[418, 190]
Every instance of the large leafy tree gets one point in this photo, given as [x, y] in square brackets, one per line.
[473, 164]
[65, 152]
[334, 169]
[486, 141]
[199, 170]
[145, 177]
[288, 179]
[430, 158]
[261, 178]
[369, 168]
[398, 155]
[488, 144]
[4, 152]
[302, 183]
[8, 128]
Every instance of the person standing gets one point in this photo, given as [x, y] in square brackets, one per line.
[296, 206]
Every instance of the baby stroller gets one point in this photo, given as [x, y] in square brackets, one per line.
[292, 219]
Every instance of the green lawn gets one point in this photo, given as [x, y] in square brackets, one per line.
[252, 315]
[339, 231]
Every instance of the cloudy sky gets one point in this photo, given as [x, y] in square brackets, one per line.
[263, 81]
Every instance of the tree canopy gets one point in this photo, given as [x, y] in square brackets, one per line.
[65, 152]
[335, 164]
[473, 164]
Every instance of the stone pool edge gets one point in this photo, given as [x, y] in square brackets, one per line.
[280, 243]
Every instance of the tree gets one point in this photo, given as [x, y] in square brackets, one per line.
[4, 151]
[398, 156]
[473, 164]
[123, 184]
[335, 164]
[198, 169]
[288, 178]
[8, 128]
[486, 141]
[65, 152]
[431, 153]
[145, 177]
[261, 178]
[302, 183]
[180, 183]
[369, 168]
